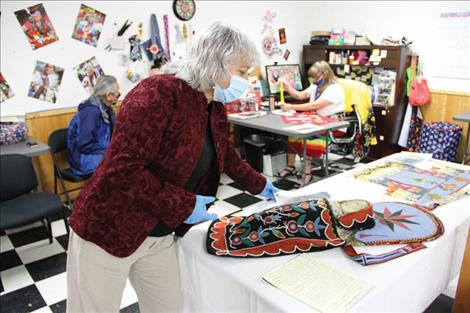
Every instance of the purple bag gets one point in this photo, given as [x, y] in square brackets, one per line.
[441, 139]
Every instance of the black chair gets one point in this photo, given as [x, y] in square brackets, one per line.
[343, 145]
[58, 143]
[20, 203]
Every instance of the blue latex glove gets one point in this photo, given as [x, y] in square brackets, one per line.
[200, 212]
[269, 190]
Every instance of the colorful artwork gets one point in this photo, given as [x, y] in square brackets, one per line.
[37, 26]
[291, 228]
[395, 223]
[399, 223]
[88, 72]
[286, 73]
[426, 187]
[88, 25]
[5, 89]
[318, 224]
[302, 118]
[46, 81]
[269, 44]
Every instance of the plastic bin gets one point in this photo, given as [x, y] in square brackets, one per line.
[256, 146]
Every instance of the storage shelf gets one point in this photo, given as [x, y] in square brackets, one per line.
[353, 47]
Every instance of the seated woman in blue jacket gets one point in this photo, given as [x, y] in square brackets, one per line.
[90, 130]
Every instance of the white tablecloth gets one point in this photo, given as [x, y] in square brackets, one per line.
[407, 284]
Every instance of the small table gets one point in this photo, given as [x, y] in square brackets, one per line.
[273, 123]
[464, 117]
[23, 148]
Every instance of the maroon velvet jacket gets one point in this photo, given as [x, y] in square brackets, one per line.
[157, 141]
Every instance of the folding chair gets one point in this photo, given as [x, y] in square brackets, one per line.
[58, 144]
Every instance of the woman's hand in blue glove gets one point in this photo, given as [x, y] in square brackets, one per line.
[269, 190]
[199, 213]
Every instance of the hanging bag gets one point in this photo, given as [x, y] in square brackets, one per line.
[416, 123]
[419, 90]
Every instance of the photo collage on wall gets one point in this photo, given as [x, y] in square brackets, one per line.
[88, 72]
[39, 31]
[37, 26]
[88, 25]
[5, 90]
[46, 82]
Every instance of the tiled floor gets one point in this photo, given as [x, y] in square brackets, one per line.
[33, 273]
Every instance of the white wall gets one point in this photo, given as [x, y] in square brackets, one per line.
[18, 59]
[419, 21]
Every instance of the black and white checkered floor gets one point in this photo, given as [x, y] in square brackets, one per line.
[33, 272]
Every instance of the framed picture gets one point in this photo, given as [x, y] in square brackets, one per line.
[287, 73]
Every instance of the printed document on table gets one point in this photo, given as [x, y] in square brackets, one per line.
[318, 284]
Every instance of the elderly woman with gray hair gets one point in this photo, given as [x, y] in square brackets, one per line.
[90, 130]
[162, 168]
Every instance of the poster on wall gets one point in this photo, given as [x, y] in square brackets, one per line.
[88, 72]
[37, 26]
[88, 25]
[452, 30]
[5, 89]
[46, 81]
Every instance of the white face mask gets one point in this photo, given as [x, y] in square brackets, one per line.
[235, 90]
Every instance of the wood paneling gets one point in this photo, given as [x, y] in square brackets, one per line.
[444, 105]
[41, 125]
[462, 299]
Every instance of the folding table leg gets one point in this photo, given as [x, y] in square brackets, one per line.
[465, 150]
[304, 169]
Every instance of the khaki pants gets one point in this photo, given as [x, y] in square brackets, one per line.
[96, 279]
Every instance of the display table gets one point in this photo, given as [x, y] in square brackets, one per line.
[407, 284]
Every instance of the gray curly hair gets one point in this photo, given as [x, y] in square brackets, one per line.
[104, 85]
[208, 60]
